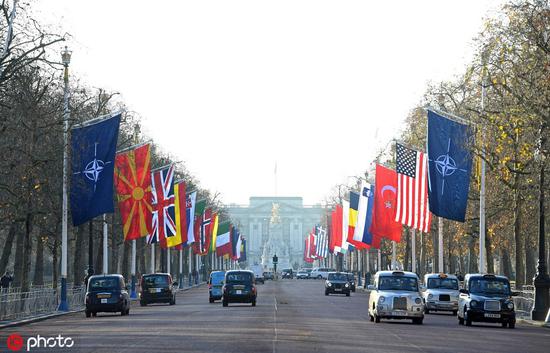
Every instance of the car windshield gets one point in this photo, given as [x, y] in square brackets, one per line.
[398, 283]
[155, 281]
[337, 277]
[217, 278]
[442, 283]
[489, 286]
[239, 277]
[108, 283]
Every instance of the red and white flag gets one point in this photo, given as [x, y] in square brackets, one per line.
[412, 189]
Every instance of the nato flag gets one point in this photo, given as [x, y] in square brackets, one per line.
[449, 166]
[93, 154]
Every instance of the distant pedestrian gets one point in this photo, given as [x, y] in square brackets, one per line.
[5, 281]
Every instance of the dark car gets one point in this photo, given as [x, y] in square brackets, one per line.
[107, 293]
[486, 298]
[239, 287]
[269, 275]
[157, 288]
[351, 280]
[337, 283]
[215, 285]
[287, 273]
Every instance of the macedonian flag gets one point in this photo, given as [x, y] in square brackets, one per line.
[133, 188]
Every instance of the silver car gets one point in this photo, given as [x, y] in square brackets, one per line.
[441, 292]
[395, 295]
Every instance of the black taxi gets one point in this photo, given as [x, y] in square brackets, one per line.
[157, 288]
[239, 287]
[486, 298]
[107, 293]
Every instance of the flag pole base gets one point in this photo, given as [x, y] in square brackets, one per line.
[180, 281]
[63, 303]
[133, 294]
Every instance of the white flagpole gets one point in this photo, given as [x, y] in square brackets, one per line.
[152, 257]
[133, 293]
[368, 260]
[440, 247]
[180, 279]
[168, 261]
[379, 260]
[105, 252]
[190, 262]
[413, 250]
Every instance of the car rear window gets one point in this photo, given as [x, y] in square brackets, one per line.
[239, 277]
[106, 283]
[155, 281]
[217, 278]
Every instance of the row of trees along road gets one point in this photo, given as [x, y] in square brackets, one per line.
[31, 141]
[512, 62]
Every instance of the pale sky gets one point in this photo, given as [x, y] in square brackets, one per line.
[233, 87]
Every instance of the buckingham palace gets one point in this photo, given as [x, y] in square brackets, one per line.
[275, 225]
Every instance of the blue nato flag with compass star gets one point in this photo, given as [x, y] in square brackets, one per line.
[93, 149]
[449, 166]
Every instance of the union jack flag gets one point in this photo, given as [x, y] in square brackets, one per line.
[164, 215]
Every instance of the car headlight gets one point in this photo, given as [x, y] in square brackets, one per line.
[474, 303]
[430, 296]
[347, 285]
[381, 299]
[510, 305]
[418, 301]
[329, 284]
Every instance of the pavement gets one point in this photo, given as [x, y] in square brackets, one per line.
[290, 316]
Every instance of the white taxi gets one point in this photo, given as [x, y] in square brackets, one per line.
[441, 292]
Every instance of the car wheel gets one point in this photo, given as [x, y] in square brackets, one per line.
[347, 294]
[254, 303]
[211, 300]
[122, 312]
[512, 324]
[173, 301]
[128, 311]
[94, 313]
[460, 321]
[319, 277]
[454, 312]
[371, 318]
[326, 292]
[417, 321]
[426, 311]
[224, 303]
[88, 313]
[467, 318]
[504, 324]
[376, 319]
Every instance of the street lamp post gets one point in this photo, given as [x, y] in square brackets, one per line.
[66, 60]
[541, 280]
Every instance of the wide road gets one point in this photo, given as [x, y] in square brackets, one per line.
[290, 316]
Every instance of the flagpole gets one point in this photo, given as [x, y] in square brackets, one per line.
[168, 261]
[482, 261]
[133, 294]
[66, 59]
[190, 262]
[413, 250]
[379, 260]
[152, 257]
[180, 279]
[105, 252]
[440, 245]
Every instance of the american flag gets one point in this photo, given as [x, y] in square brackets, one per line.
[412, 189]
[162, 189]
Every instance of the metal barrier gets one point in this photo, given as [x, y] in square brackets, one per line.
[16, 305]
[524, 302]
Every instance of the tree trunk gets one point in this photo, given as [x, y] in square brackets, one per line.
[506, 263]
[8, 246]
[98, 265]
[530, 263]
[38, 279]
[518, 238]
[27, 252]
[18, 263]
[78, 264]
[489, 252]
[472, 265]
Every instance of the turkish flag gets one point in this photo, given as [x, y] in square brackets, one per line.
[336, 230]
[385, 202]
